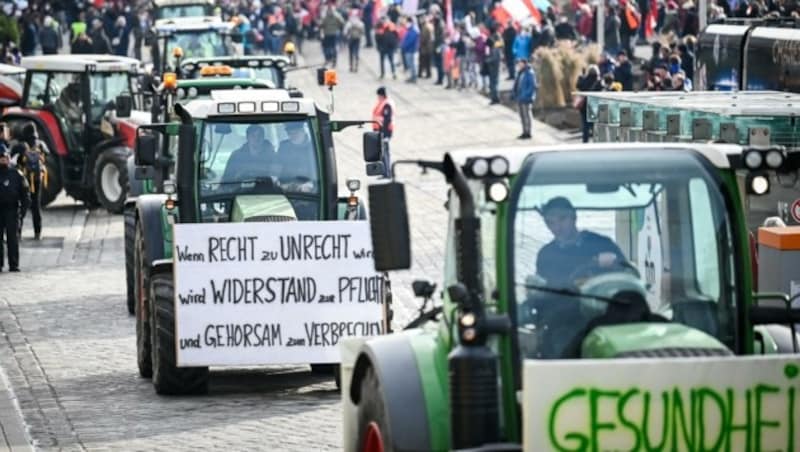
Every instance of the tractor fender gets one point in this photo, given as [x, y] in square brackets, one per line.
[135, 186]
[161, 266]
[42, 119]
[782, 336]
[392, 357]
[148, 214]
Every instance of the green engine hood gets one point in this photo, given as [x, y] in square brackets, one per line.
[650, 340]
[247, 208]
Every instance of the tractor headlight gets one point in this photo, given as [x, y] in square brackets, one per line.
[169, 187]
[353, 184]
[497, 191]
[753, 159]
[479, 167]
[774, 159]
[498, 166]
[758, 184]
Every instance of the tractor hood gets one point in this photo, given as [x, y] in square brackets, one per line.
[655, 340]
[263, 208]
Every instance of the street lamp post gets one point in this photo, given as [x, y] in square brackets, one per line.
[600, 20]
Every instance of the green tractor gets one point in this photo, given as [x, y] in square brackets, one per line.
[242, 156]
[552, 262]
[150, 182]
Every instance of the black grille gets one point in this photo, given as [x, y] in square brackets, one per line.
[269, 219]
[675, 352]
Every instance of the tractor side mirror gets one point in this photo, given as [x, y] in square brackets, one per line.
[423, 288]
[146, 145]
[123, 106]
[373, 147]
[389, 225]
[321, 76]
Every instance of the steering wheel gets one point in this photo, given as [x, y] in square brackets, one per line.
[593, 268]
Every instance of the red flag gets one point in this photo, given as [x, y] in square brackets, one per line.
[535, 14]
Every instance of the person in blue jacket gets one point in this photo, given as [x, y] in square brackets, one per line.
[410, 47]
[522, 44]
[524, 92]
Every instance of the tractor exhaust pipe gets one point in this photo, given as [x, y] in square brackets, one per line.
[473, 366]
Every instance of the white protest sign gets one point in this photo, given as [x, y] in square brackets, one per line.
[273, 293]
[742, 403]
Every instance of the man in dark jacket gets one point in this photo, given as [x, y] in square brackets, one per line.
[14, 200]
[367, 14]
[623, 72]
[100, 42]
[509, 35]
[48, 37]
[495, 49]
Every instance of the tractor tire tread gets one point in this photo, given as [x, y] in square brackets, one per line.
[169, 379]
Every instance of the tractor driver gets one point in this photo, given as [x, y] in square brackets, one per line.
[254, 159]
[68, 105]
[570, 248]
[297, 156]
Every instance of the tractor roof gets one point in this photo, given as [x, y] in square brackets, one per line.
[191, 24]
[251, 102]
[80, 63]
[7, 69]
[224, 82]
[717, 154]
[237, 61]
[163, 3]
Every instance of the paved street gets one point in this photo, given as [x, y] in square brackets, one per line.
[67, 351]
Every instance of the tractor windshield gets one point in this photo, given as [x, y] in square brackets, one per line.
[240, 159]
[644, 240]
[205, 43]
[105, 87]
[171, 12]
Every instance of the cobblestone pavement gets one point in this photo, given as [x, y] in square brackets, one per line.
[68, 346]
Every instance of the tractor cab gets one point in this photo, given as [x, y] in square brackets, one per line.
[174, 39]
[552, 262]
[258, 154]
[77, 103]
[170, 9]
[271, 68]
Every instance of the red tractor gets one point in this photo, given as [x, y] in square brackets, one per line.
[82, 108]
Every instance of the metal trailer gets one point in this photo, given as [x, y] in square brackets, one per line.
[752, 118]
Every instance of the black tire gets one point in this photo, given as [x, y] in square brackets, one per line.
[333, 370]
[372, 409]
[141, 278]
[53, 186]
[169, 379]
[110, 168]
[130, 245]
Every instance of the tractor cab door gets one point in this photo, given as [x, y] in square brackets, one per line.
[60, 94]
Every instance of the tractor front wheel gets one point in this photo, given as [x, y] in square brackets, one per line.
[111, 179]
[130, 246]
[373, 428]
[333, 370]
[168, 378]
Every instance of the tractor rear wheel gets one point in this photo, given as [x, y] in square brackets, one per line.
[141, 278]
[168, 378]
[373, 428]
[111, 179]
[130, 246]
[53, 185]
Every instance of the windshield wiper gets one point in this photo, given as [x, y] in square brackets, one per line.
[573, 293]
